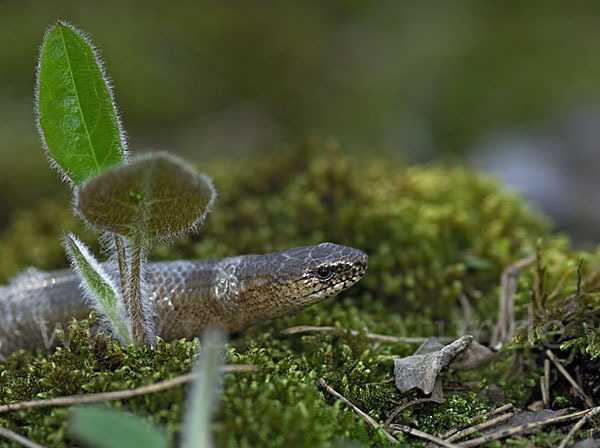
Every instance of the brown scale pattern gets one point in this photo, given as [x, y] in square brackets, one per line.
[187, 296]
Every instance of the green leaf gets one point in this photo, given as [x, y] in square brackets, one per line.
[76, 116]
[102, 427]
[205, 392]
[102, 291]
[157, 196]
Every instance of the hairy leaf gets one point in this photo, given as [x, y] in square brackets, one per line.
[102, 291]
[102, 427]
[76, 116]
[156, 196]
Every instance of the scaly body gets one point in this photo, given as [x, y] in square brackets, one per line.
[187, 296]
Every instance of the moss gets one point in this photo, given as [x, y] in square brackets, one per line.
[565, 301]
[90, 364]
[430, 231]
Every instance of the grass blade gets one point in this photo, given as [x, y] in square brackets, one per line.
[204, 393]
[102, 292]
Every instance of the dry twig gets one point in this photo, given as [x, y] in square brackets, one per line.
[462, 426]
[526, 427]
[578, 426]
[422, 435]
[592, 277]
[559, 286]
[578, 291]
[119, 394]
[588, 401]
[466, 311]
[378, 337]
[406, 406]
[508, 288]
[544, 391]
[546, 384]
[473, 429]
[11, 435]
[366, 417]
[499, 410]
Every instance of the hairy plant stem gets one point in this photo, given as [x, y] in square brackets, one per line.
[122, 259]
[139, 325]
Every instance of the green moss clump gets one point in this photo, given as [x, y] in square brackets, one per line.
[558, 301]
[431, 232]
[90, 364]
[277, 406]
[559, 296]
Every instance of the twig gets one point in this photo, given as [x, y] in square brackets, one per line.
[508, 288]
[588, 401]
[472, 420]
[546, 384]
[379, 337]
[543, 390]
[472, 429]
[560, 284]
[592, 432]
[499, 410]
[406, 406]
[422, 435]
[119, 394]
[577, 426]
[367, 418]
[466, 311]
[578, 290]
[11, 435]
[517, 429]
[593, 276]
[458, 428]
[538, 292]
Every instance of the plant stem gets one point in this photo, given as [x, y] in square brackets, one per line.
[122, 259]
[139, 325]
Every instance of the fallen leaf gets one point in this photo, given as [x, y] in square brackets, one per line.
[421, 369]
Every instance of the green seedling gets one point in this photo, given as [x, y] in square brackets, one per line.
[132, 203]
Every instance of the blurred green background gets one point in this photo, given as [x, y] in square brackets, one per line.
[220, 78]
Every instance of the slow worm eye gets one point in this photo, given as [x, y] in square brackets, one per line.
[324, 273]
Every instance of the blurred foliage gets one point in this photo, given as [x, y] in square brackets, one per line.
[33, 237]
[102, 427]
[216, 77]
